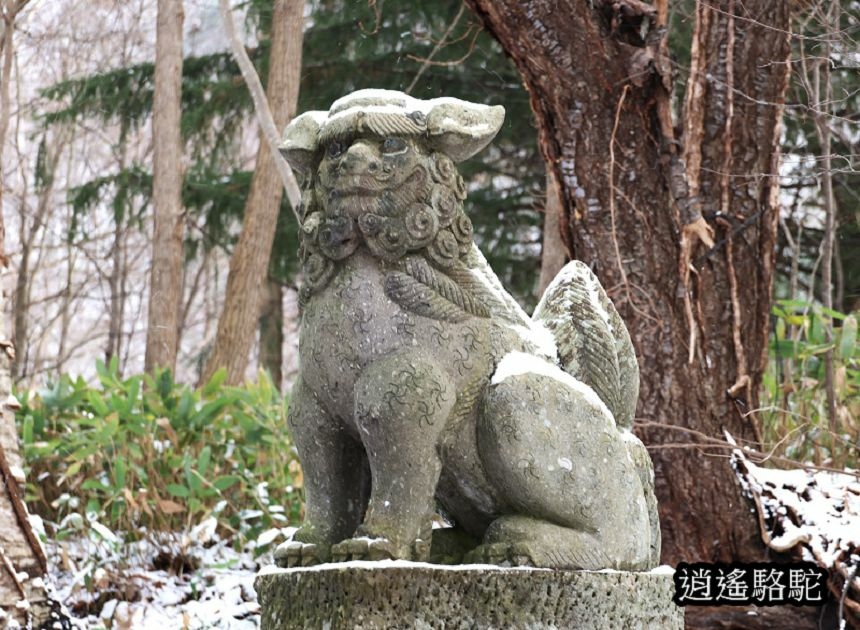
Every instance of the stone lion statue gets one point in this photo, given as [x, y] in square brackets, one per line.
[424, 388]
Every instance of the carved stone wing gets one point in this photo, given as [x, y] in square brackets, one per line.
[593, 343]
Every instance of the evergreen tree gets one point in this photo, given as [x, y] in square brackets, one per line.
[347, 47]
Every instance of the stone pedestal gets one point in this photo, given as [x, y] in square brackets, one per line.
[396, 594]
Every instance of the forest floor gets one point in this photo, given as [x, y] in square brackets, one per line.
[198, 579]
[162, 582]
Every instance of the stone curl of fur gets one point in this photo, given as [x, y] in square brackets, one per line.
[432, 224]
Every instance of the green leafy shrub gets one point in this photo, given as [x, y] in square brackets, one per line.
[795, 412]
[147, 454]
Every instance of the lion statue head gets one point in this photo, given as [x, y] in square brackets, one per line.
[378, 171]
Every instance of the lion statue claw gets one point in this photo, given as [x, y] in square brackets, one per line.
[425, 388]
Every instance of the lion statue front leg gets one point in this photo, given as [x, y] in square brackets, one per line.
[402, 404]
[336, 481]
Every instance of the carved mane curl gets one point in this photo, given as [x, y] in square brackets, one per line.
[429, 222]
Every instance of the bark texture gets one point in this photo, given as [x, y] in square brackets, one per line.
[250, 261]
[22, 598]
[599, 89]
[553, 253]
[165, 293]
[272, 331]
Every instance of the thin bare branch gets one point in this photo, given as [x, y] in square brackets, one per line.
[261, 107]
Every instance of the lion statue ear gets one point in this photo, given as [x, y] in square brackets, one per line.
[460, 129]
[300, 141]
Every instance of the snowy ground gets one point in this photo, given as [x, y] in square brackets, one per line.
[177, 581]
[814, 513]
[198, 580]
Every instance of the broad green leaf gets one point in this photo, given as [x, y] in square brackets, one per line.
[224, 482]
[27, 430]
[133, 392]
[98, 404]
[215, 382]
[780, 329]
[119, 472]
[797, 305]
[191, 476]
[829, 312]
[178, 491]
[183, 410]
[210, 410]
[83, 452]
[816, 329]
[203, 460]
[848, 338]
[785, 348]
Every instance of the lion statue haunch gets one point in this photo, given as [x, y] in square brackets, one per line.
[424, 387]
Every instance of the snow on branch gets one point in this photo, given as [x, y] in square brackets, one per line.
[813, 513]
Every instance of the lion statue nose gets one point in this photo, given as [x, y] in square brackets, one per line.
[361, 158]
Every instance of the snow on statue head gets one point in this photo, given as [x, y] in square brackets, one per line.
[424, 387]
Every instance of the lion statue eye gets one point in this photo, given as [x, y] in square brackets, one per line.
[392, 146]
[335, 149]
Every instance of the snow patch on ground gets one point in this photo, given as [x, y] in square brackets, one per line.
[164, 582]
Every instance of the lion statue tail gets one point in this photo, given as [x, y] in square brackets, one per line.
[593, 343]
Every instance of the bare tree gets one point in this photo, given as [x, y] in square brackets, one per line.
[165, 293]
[822, 96]
[250, 261]
[21, 554]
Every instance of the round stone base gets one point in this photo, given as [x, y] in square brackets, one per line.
[397, 594]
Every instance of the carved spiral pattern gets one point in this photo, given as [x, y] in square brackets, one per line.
[337, 237]
[459, 187]
[421, 225]
[444, 250]
[391, 241]
[442, 168]
[370, 224]
[444, 172]
[445, 203]
[462, 229]
[317, 269]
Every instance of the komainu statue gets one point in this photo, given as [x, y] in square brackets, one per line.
[424, 388]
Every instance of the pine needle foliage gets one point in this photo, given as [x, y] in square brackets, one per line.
[438, 46]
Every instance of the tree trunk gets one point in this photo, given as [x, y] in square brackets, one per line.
[22, 560]
[250, 261]
[823, 92]
[553, 252]
[272, 331]
[117, 296]
[600, 93]
[165, 289]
